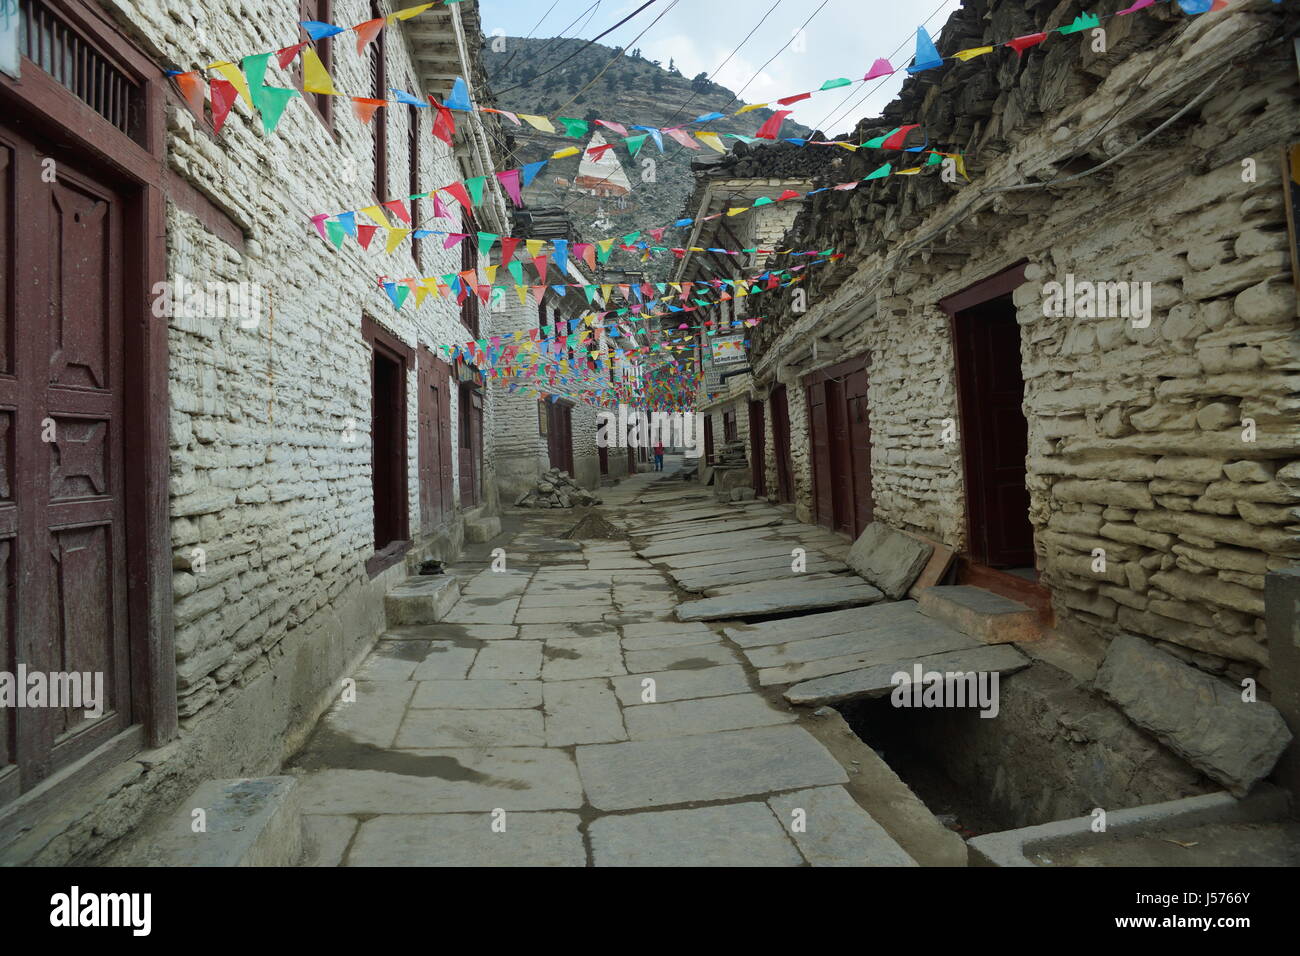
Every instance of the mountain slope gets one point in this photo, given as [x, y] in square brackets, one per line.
[551, 77]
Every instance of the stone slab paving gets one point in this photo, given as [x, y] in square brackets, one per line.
[561, 714]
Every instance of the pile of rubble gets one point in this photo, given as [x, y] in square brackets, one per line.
[556, 489]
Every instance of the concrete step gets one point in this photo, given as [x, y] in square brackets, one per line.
[983, 615]
[479, 530]
[244, 822]
[421, 599]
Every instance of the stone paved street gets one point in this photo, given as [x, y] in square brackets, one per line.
[520, 730]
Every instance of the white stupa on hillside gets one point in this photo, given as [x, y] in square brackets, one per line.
[602, 177]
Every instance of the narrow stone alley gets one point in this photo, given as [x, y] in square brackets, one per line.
[517, 730]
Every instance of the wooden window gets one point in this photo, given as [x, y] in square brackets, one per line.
[469, 260]
[729, 431]
[322, 103]
[77, 65]
[379, 90]
[414, 182]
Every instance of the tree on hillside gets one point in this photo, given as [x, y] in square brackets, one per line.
[701, 82]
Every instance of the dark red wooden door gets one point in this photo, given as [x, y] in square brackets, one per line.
[995, 435]
[708, 439]
[603, 454]
[781, 443]
[841, 470]
[62, 531]
[758, 448]
[471, 444]
[859, 450]
[559, 436]
[819, 427]
[435, 492]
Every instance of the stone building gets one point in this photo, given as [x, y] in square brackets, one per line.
[540, 429]
[1126, 463]
[228, 500]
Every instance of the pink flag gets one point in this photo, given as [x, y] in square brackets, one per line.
[880, 68]
[510, 182]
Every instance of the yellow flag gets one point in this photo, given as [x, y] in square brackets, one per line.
[737, 210]
[420, 293]
[605, 244]
[907, 172]
[605, 291]
[534, 246]
[849, 146]
[315, 79]
[395, 237]
[236, 77]
[377, 214]
[409, 12]
[751, 106]
[711, 140]
[538, 122]
[564, 153]
[973, 52]
[523, 300]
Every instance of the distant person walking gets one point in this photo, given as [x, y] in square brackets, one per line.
[659, 455]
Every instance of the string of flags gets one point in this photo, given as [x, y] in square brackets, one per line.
[336, 229]
[247, 81]
[469, 282]
[465, 284]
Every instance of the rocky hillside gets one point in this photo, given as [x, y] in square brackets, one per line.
[633, 91]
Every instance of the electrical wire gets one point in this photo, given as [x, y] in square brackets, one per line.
[581, 48]
[507, 63]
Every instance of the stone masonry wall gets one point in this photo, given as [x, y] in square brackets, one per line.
[270, 426]
[1172, 447]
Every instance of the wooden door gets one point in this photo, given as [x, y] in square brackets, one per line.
[434, 442]
[388, 447]
[471, 444]
[603, 454]
[994, 434]
[758, 448]
[63, 597]
[859, 450]
[841, 469]
[708, 440]
[781, 444]
[819, 428]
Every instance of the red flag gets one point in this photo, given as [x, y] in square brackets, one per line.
[788, 194]
[224, 95]
[289, 54]
[399, 209]
[794, 99]
[459, 193]
[540, 263]
[896, 141]
[444, 126]
[365, 234]
[1021, 44]
[508, 245]
[769, 129]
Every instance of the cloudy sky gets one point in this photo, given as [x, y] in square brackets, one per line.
[841, 38]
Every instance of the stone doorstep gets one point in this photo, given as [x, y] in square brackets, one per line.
[985, 616]
[1014, 847]
[248, 822]
[480, 530]
[421, 599]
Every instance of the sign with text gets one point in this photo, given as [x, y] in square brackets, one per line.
[728, 350]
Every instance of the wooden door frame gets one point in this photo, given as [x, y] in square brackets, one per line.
[758, 446]
[818, 378]
[40, 108]
[380, 341]
[992, 288]
[781, 443]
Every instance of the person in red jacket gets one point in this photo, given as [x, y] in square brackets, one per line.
[659, 455]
